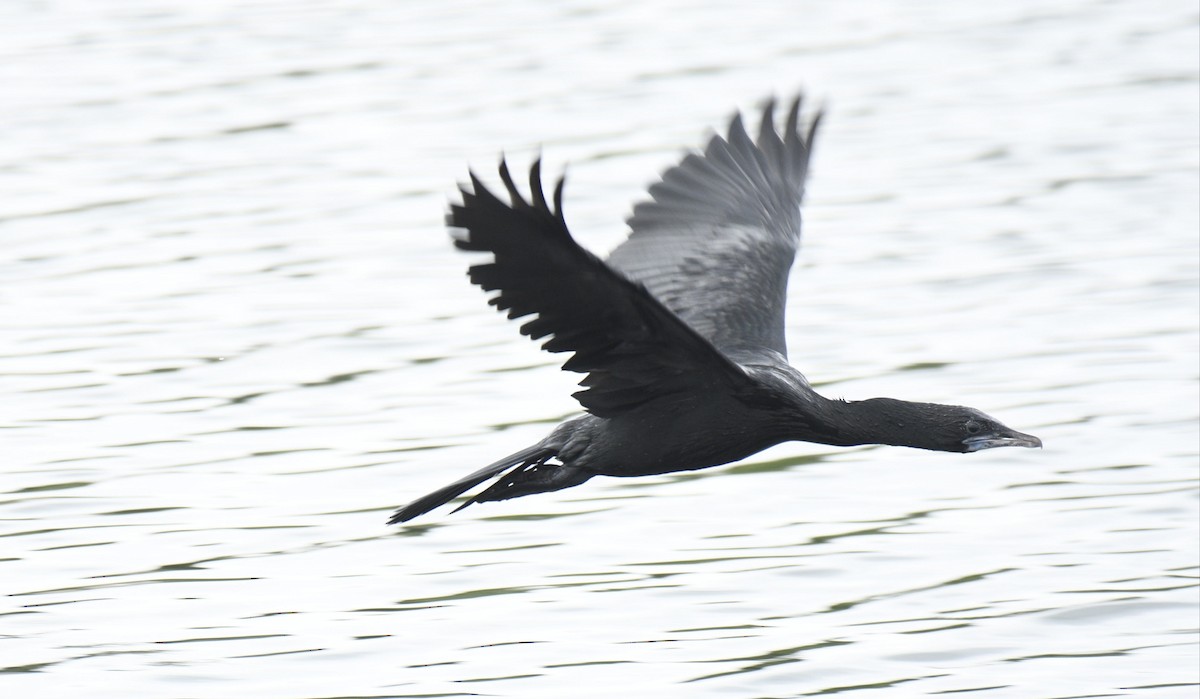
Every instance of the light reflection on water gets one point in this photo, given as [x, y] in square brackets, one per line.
[237, 337]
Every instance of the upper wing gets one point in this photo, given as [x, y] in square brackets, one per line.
[718, 240]
[632, 348]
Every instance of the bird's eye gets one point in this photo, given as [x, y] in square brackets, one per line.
[973, 427]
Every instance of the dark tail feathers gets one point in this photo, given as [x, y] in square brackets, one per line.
[525, 460]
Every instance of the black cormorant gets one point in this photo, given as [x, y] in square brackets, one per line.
[680, 332]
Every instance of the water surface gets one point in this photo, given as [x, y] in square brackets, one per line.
[236, 336]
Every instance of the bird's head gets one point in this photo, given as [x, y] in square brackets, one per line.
[973, 430]
[940, 427]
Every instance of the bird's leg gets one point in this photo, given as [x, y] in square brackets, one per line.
[544, 475]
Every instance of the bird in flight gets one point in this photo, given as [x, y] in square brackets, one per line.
[680, 331]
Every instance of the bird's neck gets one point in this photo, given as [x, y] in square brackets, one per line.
[873, 421]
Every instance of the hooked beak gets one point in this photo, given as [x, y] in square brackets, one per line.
[1001, 438]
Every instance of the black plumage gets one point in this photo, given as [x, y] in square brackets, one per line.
[680, 332]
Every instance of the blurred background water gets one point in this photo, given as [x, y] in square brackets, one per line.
[235, 336]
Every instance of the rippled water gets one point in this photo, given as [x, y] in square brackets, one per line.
[235, 337]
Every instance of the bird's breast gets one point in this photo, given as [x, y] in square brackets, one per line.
[683, 437]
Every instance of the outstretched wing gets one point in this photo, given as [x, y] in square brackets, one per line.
[632, 348]
[717, 241]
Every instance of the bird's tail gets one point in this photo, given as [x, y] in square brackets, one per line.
[526, 459]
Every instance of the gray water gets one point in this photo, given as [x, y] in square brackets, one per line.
[235, 336]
